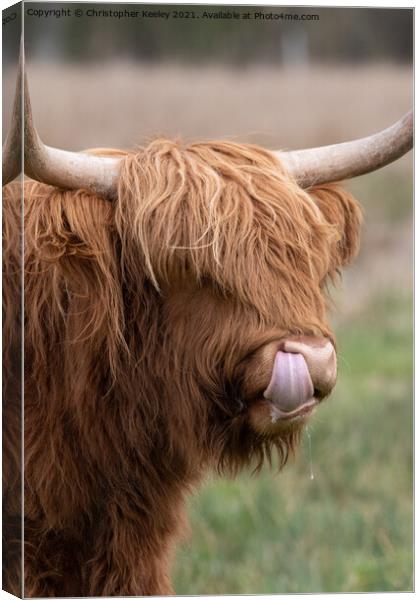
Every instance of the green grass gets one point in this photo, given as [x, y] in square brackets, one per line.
[350, 528]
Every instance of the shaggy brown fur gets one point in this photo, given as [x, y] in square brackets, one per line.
[138, 317]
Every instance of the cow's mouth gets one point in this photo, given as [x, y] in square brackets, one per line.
[269, 420]
[302, 373]
[299, 413]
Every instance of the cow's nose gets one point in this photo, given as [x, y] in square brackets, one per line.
[320, 358]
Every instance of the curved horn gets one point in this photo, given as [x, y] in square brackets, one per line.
[312, 166]
[341, 161]
[68, 170]
[12, 155]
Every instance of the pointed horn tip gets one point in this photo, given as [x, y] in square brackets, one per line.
[345, 160]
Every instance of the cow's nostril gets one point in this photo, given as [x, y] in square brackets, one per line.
[319, 394]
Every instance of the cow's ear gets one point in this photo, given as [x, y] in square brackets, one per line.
[342, 211]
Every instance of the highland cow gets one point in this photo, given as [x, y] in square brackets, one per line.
[178, 328]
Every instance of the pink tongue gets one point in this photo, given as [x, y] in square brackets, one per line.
[291, 385]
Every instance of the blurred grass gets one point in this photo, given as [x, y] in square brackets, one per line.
[386, 194]
[350, 528]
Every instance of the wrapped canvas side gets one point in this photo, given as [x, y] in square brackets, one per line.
[12, 366]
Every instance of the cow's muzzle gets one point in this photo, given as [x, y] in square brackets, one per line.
[303, 372]
[304, 368]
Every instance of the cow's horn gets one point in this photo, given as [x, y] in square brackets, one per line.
[99, 175]
[12, 155]
[349, 159]
[68, 170]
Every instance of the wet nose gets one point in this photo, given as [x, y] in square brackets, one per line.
[320, 358]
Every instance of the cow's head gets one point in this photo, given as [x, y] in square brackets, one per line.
[239, 256]
[226, 251]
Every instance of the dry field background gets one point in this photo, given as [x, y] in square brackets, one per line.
[351, 528]
[124, 104]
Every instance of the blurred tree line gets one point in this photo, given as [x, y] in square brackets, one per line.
[340, 35]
